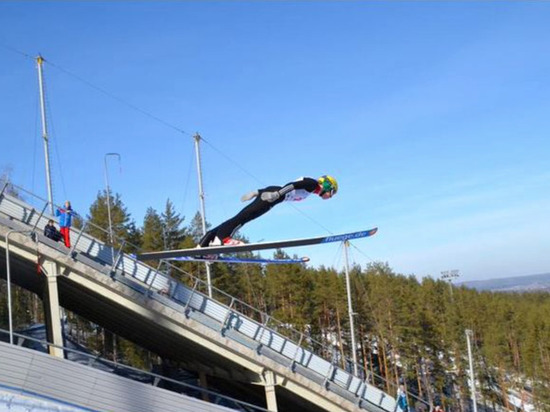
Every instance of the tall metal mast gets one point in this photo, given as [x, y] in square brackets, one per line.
[39, 61]
[350, 310]
[203, 212]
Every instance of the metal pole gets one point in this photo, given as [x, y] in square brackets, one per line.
[109, 201]
[8, 280]
[350, 310]
[166, 247]
[470, 334]
[203, 212]
[39, 61]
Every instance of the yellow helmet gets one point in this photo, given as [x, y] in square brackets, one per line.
[328, 185]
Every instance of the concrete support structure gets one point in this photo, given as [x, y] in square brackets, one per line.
[270, 395]
[52, 309]
[203, 382]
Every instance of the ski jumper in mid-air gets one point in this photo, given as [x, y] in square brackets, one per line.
[264, 200]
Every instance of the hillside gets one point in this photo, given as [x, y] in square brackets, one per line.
[532, 283]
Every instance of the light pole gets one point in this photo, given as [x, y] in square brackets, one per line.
[469, 335]
[109, 200]
[449, 275]
[350, 310]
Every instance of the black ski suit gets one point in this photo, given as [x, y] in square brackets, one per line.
[265, 199]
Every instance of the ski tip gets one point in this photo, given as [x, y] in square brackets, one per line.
[373, 231]
[304, 259]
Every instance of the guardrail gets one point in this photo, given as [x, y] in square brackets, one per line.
[247, 325]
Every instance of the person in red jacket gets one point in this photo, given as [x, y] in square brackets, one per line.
[264, 199]
[65, 221]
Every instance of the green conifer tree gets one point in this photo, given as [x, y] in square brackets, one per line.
[152, 231]
[173, 233]
[124, 229]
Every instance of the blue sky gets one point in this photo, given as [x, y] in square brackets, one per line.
[433, 116]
